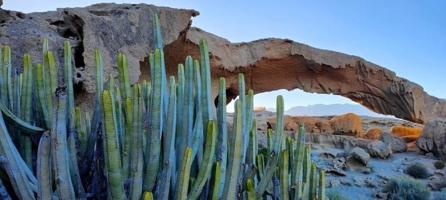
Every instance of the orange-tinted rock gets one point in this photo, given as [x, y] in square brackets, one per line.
[373, 134]
[347, 124]
[312, 124]
[409, 134]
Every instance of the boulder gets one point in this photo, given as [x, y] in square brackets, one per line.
[397, 144]
[373, 134]
[409, 134]
[312, 124]
[379, 149]
[347, 124]
[359, 155]
[433, 138]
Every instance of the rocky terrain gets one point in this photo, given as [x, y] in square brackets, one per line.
[360, 154]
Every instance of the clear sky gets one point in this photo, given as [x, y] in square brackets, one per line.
[406, 36]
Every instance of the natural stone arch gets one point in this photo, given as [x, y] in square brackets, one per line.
[271, 64]
[268, 64]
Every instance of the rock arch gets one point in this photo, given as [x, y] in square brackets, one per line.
[271, 64]
[268, 64]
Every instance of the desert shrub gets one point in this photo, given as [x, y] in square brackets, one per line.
[335, 195]
[417, 170]
[406, 188]
[439, 164]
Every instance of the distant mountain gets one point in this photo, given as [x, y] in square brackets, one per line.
[332, 109]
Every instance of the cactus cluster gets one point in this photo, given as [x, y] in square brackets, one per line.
[163, 139]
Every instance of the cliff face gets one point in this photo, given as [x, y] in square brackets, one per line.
[268, 64]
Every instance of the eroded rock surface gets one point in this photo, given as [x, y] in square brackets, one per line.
[268, 64]
[433, 138]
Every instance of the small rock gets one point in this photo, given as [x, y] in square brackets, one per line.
[359, 155]
[346, 182]
[379, 149]
[381, 195]
[396, 144]
[370, 183]
[339, 163]
[334, 183]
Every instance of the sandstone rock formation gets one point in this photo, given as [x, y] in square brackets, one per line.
[348, 124]
[373, 134]
[433, 138]
[268, 64]
[312, 124]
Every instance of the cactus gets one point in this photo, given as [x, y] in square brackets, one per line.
[206, 164]
[234, 155]
[208, 112]
[59, 150]
[153, 156]
[134, 133]
[321, 188]
[44, 168]
[279, 135]
[168, 144]
[251, 193]
[313, 181]
[113, 160]
[222, 146]
[284, 175]
[149, 140]
[124, 76]
[215, 181]
[183, 178]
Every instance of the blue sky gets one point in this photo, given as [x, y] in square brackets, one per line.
[406, 36]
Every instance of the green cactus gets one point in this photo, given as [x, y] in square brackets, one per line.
[25, 107]
[113, 160]
[234, 155]
[321, 188]
[124, 81]
[206, 95]
[169, 144]
[206, 164]
[184, 175]
[251, 193]
[154, 141]
[59, 150]
[313, 182]
[279, 138]
[149, 137]
[44, 167]
[284, 184]
[215, 181]
[134, 133]
[222, 145]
